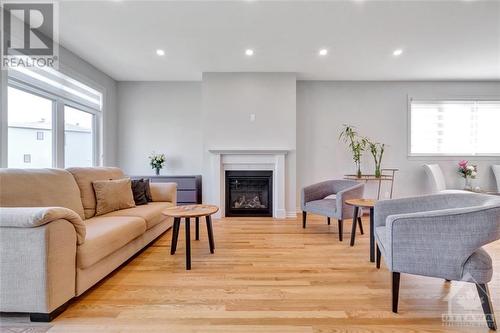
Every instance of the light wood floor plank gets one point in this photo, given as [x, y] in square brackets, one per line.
[265, 276]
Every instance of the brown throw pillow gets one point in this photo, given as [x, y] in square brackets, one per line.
[113, 195]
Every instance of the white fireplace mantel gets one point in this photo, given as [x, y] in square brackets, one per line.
[249, 159]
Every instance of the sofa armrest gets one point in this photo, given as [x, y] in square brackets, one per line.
[438, 243]
[32, 217]
[165, 192]
[38, 266]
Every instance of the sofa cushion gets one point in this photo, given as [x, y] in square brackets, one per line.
[150, 212]
[39, 188]
[112, 195]
[105, 235]
[84, 178]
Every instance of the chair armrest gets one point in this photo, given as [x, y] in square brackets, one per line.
[165, 192]
[353, 192]
[32, 217]
[438, 243]
[316, 192]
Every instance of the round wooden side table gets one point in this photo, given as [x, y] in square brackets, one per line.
[187, 212]
[363, 203]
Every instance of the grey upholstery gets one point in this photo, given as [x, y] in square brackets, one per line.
[439, 235]
[314, 198]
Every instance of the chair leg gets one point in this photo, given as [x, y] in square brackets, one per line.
[379, 256]
[360, 225]
[484, 296]
[304, 216]
[395, 291]
[328, 220]
[341, 230]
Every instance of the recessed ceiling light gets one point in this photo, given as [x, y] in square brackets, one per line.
[160, 52]
[397, 52]
[323, 52]
[249, 52]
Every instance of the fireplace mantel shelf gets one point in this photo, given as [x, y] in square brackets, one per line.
[263, 151]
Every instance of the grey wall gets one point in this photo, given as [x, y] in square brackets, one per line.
[164, 117]
[229, 99]
[379, 110]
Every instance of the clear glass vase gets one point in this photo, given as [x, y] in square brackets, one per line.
[467, 184]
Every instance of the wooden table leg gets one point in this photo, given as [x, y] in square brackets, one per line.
[210, 234]
[188, 244]
[354, 223]
[197, 229]
[175, 235]
[372, 237]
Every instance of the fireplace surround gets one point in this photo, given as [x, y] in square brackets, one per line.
[249, 193]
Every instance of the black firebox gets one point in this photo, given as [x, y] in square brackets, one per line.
[249, 193]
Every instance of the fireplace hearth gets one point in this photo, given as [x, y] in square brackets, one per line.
[249, 193]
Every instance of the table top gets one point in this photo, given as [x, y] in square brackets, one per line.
[369, 177]
[190, 211]
[367, 203]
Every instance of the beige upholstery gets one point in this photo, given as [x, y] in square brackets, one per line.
[37, 275]
[165, 192]
[48, 254]
[31, 217]
[106, 234]
[87, 277]
[39, 188]
[151, 212]
[84, 178]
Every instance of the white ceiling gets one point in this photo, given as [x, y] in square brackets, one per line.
[442, 40]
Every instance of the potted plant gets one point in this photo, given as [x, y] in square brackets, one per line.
[355, 143]
[157, 161]
[377, 150]
[467, 172]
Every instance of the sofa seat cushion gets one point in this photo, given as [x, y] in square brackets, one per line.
[326, 207]
[151, 212]
[105, 235]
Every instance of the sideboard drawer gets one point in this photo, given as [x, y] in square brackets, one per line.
[186, 196]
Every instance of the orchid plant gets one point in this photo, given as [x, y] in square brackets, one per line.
[467, 171]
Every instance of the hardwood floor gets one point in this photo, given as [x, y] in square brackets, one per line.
[265, 276]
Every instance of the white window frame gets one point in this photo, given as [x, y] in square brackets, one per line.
[445, 155]
[58, 104]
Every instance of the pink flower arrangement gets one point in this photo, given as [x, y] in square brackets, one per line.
[465, 170]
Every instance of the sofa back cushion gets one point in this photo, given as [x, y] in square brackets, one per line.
[84, 178]
[39, 188]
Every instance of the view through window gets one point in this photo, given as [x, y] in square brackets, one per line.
[468, 127]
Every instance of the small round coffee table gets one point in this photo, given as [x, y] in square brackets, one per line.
[363, 203]
[187, 212]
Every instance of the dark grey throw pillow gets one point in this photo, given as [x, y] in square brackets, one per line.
[139, 191]
[148, 190]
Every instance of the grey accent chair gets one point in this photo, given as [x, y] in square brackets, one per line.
[439, 236]
[314, 200]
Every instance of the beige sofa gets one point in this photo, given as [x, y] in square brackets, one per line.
[53, 247]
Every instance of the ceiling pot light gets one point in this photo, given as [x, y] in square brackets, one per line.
[323, 52]
[397, 52]
[249, 52]
[160, 52]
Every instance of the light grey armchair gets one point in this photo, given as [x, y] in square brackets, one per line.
[439, 236]
[314, 200]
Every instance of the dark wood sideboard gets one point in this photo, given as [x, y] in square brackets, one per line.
[188, 187]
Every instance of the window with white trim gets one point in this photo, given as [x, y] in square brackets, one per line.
[454, 128]
[53, 121]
